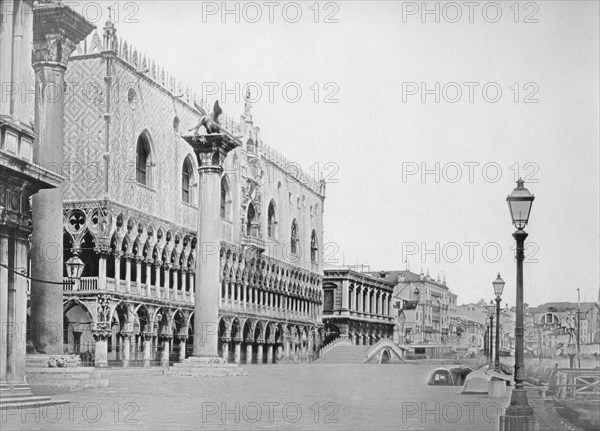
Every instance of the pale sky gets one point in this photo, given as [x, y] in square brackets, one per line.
[372, 138]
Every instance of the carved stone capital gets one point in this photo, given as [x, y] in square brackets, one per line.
[211, 150]
[57, 31]
[101, 334]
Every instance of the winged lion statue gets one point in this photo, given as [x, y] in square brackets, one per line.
[210, 122]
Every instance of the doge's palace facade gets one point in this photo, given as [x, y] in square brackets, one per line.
[130, 213]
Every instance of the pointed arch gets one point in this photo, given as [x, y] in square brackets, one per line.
[294, 237]
[314, 247]
[144, 157]
[188, 181]
[225, 198]
[272, 220]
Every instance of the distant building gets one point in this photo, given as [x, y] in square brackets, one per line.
[555, 321]
[473, 324]
[357, 306]
[424, 315]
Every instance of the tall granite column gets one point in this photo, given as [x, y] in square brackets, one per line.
[211, 151]
[57, 31]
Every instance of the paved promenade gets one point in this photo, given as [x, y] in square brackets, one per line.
[294, 397]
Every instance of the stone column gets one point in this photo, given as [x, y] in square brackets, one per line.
[117, 256]
[175, 269]
[126, 348]
[57, 31]
[148, 263]
[225, 349]
[259, 354]
[6, 46]
[286, 352]
[157, 264]
[237, 351]
[345, 295]
[164, 358]
[166, 273]
[128, 258]
[184, 279]
[249, 351]
[101, 349]
[182, 348]
[269, 353]
[211, 151]
[147, 337]
[102, 254]
[360, 307]
[3, 304]
[138, 271]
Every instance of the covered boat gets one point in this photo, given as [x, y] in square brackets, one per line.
[441, 377]
[449, 376]
[476, 382]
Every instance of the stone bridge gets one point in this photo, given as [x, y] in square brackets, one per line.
[385, 352]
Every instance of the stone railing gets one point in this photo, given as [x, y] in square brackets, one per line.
[339, 341]
[384, 343]
[91, 284]
[253, 241]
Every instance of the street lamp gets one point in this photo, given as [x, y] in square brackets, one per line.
[490, 309]
[74, 267]
[74, 270]
[519, 414]
[498, 284]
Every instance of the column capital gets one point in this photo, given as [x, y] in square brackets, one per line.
[103, 251]
[211, 150]
[101, 334]
[57, 31]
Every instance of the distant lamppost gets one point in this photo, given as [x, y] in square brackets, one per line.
[486, 342]
[519, 415]
[491, 308]
[571, 349]
[498, 284]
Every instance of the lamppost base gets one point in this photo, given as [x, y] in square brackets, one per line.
[519, 423]
[497, 388]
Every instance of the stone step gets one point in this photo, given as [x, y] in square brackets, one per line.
[58, 386]
[204, 372]
[180, 365]
[16, 394]
[33, 401]
[36, 375]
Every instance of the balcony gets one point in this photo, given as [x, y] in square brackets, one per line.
[254, 242]
[92, 285]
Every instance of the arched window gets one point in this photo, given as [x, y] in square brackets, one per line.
[314, 247]
[294, 237]
[187, 175]
[271, 221]
[250, 221]
[225, 199]
[143, 160]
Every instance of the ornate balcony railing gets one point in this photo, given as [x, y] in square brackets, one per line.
[253, 242]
